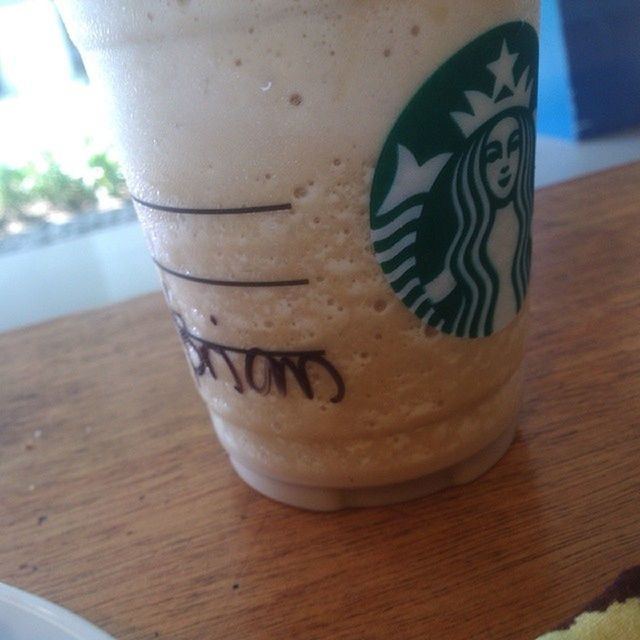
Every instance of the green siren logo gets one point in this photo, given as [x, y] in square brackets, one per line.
[452, 195]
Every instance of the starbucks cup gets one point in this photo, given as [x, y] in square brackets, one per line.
[338, 198]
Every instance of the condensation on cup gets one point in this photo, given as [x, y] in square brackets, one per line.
[338, 198]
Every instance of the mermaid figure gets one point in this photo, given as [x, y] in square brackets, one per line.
[486, 269]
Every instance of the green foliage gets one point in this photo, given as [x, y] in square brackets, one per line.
[29, 193]
[110, 179]
[60, 190]
[14, 195]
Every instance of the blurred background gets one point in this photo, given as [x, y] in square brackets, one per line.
[69, 240]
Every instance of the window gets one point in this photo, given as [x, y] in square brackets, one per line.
[55, 160]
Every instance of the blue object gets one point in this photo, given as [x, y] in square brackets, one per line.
[589, 67]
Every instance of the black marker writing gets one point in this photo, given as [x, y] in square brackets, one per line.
[262, 369]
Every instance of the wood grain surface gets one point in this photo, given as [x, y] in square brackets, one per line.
[117, 502]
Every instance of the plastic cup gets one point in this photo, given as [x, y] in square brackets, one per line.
[338, 197]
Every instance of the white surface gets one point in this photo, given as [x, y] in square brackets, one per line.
[27, 617]
[81, 273]
[112, 265]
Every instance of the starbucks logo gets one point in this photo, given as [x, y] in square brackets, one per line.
[452, 195]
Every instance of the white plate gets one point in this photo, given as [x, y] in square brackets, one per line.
[26, 617]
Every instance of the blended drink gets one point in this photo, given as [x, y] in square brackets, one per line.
[338, 197]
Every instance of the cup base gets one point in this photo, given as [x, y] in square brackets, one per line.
[333, 499]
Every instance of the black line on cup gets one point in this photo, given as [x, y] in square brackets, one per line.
[233, 283]
[267, 208]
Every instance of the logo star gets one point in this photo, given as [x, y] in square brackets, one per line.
[503, 70]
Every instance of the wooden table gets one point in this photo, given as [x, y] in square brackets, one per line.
[117, 502]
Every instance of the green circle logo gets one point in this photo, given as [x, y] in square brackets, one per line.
[452, 195]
